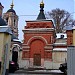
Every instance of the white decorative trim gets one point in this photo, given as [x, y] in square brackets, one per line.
[4, 26]
[25, 47]
[16, 45]
[48, 47]
[60, 49]
[26, 50]
[38, 29]
[37, 37]
[43, 20]
[48, 50]
[60, 44]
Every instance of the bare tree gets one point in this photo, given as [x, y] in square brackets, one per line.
[61, 19]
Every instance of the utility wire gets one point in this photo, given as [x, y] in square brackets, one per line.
[27, 15]
[24, 15]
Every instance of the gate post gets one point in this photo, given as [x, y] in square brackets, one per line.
[71, 60]
[5, 41]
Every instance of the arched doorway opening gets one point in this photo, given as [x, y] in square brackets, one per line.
[37, 52]
[15, 54]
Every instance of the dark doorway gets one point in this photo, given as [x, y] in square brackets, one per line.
[37, 59]
[15, 56]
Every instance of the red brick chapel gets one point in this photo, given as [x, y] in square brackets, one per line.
[38, 40]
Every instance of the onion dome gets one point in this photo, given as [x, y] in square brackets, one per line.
[11, 10]
[2, 22]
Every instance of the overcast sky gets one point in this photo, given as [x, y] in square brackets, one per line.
[31, 7]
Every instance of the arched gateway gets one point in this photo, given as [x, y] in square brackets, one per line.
[37, 45]
[38, 41]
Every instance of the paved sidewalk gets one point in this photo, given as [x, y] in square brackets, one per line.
[37, 72]
[40, 71]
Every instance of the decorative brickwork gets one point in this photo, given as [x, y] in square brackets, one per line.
[69, 37]
[38, 41]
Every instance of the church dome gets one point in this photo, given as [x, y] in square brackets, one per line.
[2, 22]
[11, 10]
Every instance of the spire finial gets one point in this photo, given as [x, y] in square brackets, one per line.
[12, 4]
[41, 6]
[41, 14]
[42, 3]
